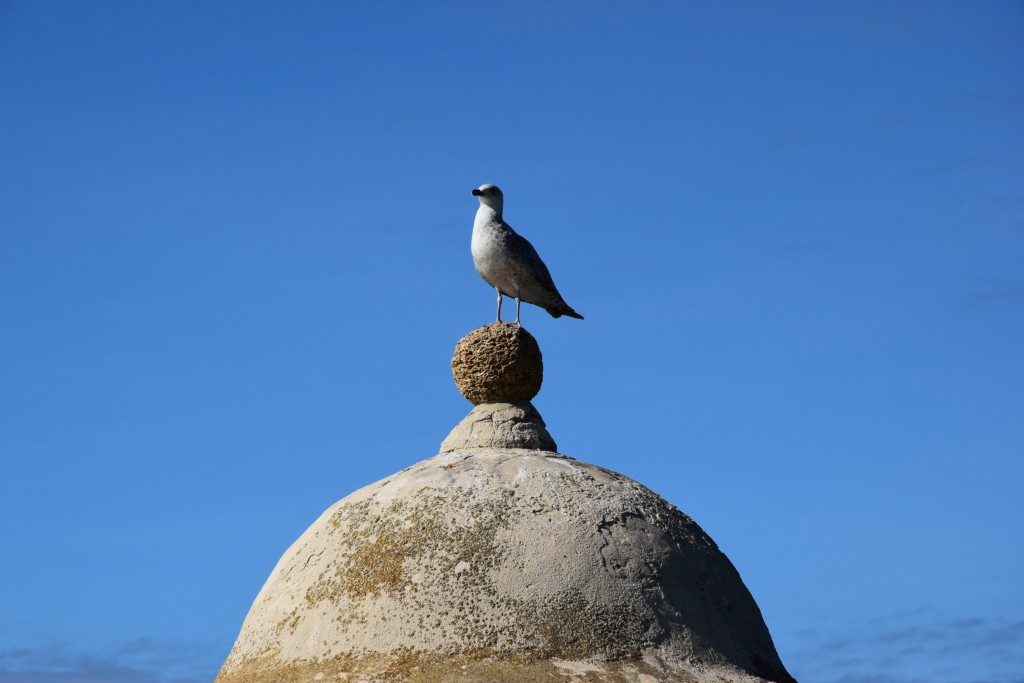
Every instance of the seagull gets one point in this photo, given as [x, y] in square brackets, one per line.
[510, 264]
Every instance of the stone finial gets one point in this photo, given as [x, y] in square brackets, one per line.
[499, 369]
[500, 425]
[500, 363]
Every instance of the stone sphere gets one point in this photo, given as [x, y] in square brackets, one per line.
[498, 363]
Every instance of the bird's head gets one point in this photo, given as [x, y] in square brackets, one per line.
[490, 196]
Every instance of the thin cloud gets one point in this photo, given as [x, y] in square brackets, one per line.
[915, 647]
[995, 292]
[808, 250]
[144, 660]
[83, 669]
[1002, 103]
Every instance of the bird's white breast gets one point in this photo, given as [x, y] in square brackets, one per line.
[488, 249]
[485, 242]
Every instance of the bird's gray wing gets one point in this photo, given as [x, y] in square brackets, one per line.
[530, 260]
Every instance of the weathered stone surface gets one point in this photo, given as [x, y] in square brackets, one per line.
[498, 363]
[504, 565]
[500, 425]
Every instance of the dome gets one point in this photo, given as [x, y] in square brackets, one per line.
[501, 559]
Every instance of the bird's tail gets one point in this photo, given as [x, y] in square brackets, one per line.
[563, 309]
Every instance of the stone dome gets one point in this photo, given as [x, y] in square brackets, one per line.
[502, 560]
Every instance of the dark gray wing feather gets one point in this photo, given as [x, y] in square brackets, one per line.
[530, 259]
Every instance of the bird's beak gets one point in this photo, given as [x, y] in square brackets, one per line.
[477, 193]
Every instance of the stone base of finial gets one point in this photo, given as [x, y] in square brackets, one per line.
[501, 425]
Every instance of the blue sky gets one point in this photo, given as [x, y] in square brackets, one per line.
[234, 262]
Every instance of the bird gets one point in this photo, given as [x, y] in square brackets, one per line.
[508, 262]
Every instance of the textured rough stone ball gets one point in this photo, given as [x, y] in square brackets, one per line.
[498, 363]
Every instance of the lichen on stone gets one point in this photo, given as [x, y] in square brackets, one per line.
[382, 547]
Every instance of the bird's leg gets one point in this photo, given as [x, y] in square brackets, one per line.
[499, 305]
[518, 324]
